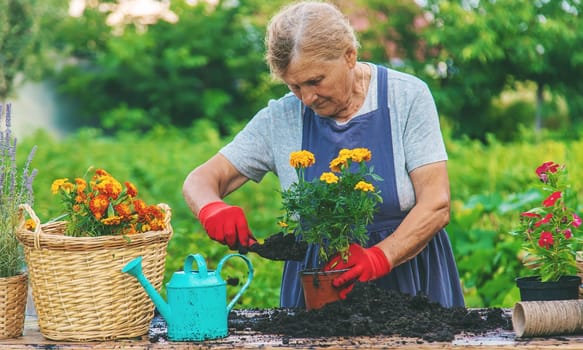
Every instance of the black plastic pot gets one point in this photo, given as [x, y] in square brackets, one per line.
[531, 288]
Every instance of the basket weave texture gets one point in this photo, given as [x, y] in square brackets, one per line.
[13, 293]
[79, 291]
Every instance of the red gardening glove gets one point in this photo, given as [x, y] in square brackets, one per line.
[226, 224]
[365, 264]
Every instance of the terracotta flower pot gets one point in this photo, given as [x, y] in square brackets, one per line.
[531, 288]
[318, 288]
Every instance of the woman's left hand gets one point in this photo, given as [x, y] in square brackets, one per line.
[364, 264]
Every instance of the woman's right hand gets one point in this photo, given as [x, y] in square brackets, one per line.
[226, 224]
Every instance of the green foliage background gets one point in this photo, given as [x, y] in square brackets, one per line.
[489, 185]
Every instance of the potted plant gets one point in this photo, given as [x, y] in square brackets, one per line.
[82, 294]
[331, 211]
[15, 189]
[549, 234]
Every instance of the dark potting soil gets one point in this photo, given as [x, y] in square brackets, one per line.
[279, 246]
[370, 311]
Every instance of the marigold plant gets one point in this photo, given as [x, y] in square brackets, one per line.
[99, 205]
[334, 209]
[550, 230]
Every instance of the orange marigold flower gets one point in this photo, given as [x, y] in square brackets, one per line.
[329, 178]
[81, 185]
[109, 186]
[80, 198]
[132, 191]
[364, 186]
[123, 210]
[101, 173]
[98, 206]
[302, 159]
[140, 207]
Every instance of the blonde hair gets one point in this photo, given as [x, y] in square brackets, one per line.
[310, 28]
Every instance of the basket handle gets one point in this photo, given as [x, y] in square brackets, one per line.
[22, 208]
[167, 217]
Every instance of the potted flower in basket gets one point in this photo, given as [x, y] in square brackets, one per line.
[550, 239]
[105, 225]
[15, 188]
[331, 211]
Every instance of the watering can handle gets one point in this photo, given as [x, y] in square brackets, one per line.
[249, 277]
[202, 270]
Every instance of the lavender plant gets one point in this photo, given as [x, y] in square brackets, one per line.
[15, 189]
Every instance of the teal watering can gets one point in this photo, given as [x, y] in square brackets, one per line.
[197, 307]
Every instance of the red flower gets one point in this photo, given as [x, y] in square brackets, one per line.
[544, 168]
[530, 215]
[550, 201]
[576, 220]
[546, 240]
[544, 220]
[567, 233]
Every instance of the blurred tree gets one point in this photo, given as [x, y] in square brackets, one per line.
[484, 50]
[209, 64]
[389, 31]
[24, 39]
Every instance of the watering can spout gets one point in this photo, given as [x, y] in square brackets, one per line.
[134, 268]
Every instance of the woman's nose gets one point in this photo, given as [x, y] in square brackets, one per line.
[308, 95]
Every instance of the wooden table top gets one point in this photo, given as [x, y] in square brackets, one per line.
[33, 339]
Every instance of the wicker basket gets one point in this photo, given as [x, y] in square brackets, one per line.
[13, 293]
[79, 291]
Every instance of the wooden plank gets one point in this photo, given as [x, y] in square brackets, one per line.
[33, 339]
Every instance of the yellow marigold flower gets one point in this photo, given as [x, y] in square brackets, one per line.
[282, 224]
[114, 220]
[29, 224]
[361, 154]
[364, 186]
[337, 164]
[329, 178]
[302, 159]
[58, 184]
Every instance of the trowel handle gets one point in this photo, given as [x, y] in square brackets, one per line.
[249, 277]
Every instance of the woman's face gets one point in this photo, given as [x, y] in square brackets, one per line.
[323, 85]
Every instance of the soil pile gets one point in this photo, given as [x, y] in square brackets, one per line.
[370, 311]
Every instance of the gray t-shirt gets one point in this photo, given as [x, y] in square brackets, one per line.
[275, 131]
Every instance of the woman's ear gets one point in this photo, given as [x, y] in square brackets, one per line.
[350, 57]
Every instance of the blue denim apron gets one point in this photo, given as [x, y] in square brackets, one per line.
[433, 272]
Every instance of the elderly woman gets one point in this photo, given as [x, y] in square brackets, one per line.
[338, 102]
